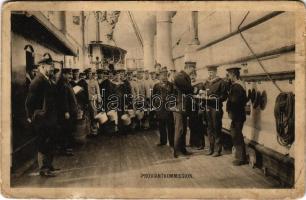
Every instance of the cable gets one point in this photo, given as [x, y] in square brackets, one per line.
[254, 54]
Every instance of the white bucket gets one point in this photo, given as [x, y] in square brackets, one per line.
[131, 113]
[126, 120]
[139, 114]
[113, 116]
[101, 117]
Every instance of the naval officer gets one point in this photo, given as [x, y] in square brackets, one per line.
[235, 106]
[182, 83]
[41, 110]
[164, 116]
[67, 111]
[217, 93]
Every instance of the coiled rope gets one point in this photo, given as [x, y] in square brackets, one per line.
[284, 118]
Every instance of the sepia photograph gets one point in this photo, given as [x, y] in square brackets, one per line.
[129, 97]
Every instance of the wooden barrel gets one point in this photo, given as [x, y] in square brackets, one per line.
[81, 131]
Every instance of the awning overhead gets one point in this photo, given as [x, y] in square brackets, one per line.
[109, 52]
[35, 26]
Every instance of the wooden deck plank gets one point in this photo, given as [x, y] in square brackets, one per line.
[119, 161]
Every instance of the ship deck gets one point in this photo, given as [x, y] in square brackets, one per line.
[121, 161]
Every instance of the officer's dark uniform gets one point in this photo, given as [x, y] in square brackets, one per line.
[75, 78]
[41, 108]
[195, 121]
[214, 112]
[235, 106]
[67, 103]
[182, 83]
[163, 115]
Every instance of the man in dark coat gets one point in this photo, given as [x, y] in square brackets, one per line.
[106, 89]
[67, 111]
[217, 93]
[75, 77]
[182, 83]
[30, 75]
[163, 90]
[235, 106]
[195, 122]
[41, 110]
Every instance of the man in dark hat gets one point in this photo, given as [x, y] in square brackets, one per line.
[81, 75]
[94, 97]
[217, 93]
[106, 88]
[235, 106]
[30, 75]
[182, 83]
[100, 76]
[41, 110]
[196, 124]
[75, 77]
[164, 116]
[67, 106]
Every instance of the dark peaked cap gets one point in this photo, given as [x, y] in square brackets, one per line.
[87, 70]
[67, 70]
[99, 71]
[47, 61]
[212, 67]
[233, 69]
[75, 70]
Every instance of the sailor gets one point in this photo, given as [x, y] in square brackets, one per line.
[157, 67]
[116, 90]
[171, 75]
[30, 75]
[152, 115]
[182, 83]
[134, 84]
[100, 76]
[75, 77]
[127, 90]
[141, 97]
[82, 75]
[153, 78]
[126, 102]
[67, 111]
[148, 86]
[132, 77]
[164, 116]
[216, 89]
[235, 106]
[41, 111]
[106, 89]
[94, 97]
